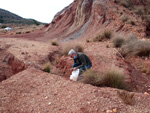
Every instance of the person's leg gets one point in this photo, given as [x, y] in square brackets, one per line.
[75, 65]
[82, 69]
[88, 66]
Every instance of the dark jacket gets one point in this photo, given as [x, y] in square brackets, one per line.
[82, 59]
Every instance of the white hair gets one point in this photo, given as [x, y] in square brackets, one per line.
[71, 52]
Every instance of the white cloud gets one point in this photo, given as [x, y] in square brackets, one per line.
[41, 10]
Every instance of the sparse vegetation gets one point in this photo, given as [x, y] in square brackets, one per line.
[145, 69]
[113, 78]
[47, 67]
[4, 26]
[126, 3]
[18, 32]
[132, 22]
[98, 38]
[54, 42]
[87, 41]
[91, 77]
[127, 97]
[124, 18]
[27, 31]
[7, 17]
[137, 47]
[143, 11]
[77, 47]
[118, 41]
[107, 34]
[132, 46]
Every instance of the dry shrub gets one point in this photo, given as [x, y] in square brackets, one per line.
[127, 97]
[126, 3]
[54, 42]
[91, 77]
[98, 38]
[28, 32]
[132, 22]
[124, 18]
[18, 32]
[118, 41]
[113, 78]
[136, 48]
[76, 46]
[47, 67]
[107, 34]
[145, 69]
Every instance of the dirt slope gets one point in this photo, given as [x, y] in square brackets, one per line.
[35, 91]
[88, 18]
[32, 90]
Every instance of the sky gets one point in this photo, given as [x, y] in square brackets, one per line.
[40, 10]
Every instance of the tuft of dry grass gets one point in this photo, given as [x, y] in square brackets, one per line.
[76, 46]
[98, 38]
[113, 78]
[107, 34]
[132, 22]
[18, 32]
[118, 41]
[145, 69]
[47, 67]
[28, 32]
[136, 48]
[54, 42]
[132, 46]
[124, 18]
[127, 97]
[91, 77]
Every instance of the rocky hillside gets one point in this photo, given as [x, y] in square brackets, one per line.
[99, 28]
[7, 17]
[87, 18]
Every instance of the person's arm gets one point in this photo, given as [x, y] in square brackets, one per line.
[83, 61]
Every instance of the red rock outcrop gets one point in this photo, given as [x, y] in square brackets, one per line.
[9, 65]
[87, 18]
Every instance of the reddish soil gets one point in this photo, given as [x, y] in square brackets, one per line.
[25, 88]
[35, 91]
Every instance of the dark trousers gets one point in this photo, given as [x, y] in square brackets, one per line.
[81, 69]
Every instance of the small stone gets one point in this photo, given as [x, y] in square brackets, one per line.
[115, 110]
[146, 93]
[49, 103]
[46, 97]
[88, 102]
[109, 111]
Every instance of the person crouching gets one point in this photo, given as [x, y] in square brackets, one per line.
[81, 61]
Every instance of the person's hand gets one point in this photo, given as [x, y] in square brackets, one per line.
[70, 58]
[73, 69]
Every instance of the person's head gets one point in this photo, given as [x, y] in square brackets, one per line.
[72, 53]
